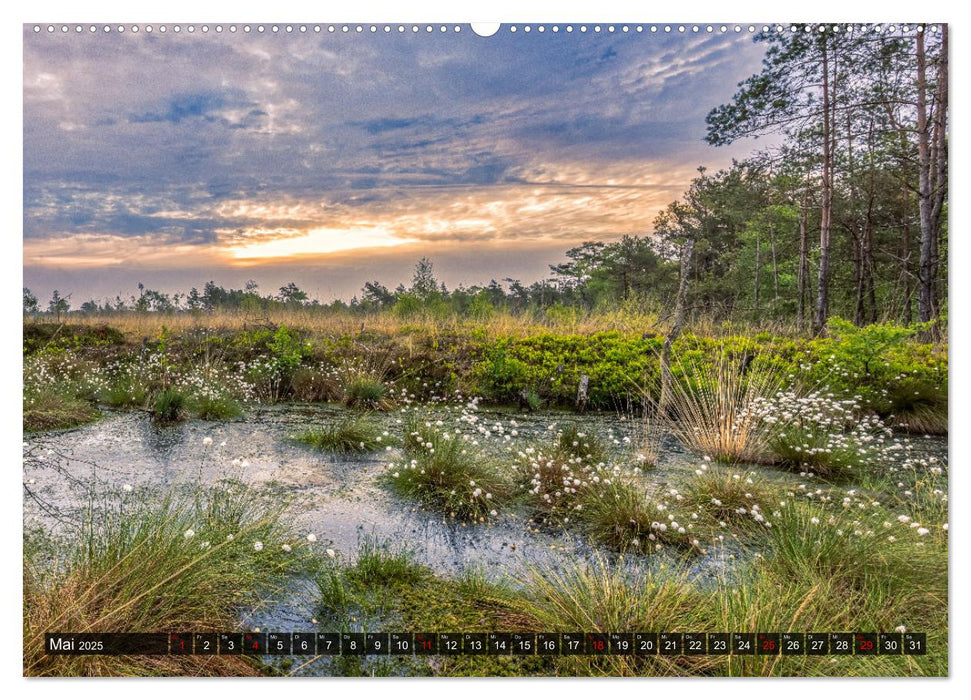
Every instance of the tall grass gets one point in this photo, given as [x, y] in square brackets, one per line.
[183, 560]
[598, 596]
[713, 406]
[630, 317]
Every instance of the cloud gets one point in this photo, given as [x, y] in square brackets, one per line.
[177, 142]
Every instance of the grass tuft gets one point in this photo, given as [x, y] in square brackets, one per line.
[445, 472]
[218, 407]
[49, 409]
[170, 406]
[353, 434]
[713, 409]
[727, 495]
[366, 392]
[619, 514]
[187, 560]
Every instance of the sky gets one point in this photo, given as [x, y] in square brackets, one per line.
[335, 159]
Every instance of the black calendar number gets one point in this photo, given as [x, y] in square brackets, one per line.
[278, 643]
[915, 643]
[793, 643]
[694, 643]
[475, 644]
[500, 643]
[597, 643]
[377, 644]
[328, 644]
[230, 644]
[865, 644]
[841, 643]
[303, 643]
[767, 643]
[352, 644]
[621, 643]
[669, 643]
[743, 643]
[817, 644]
[547, 644]
[645, 643]
[426, 643]
[891, 643]
[571, 643]
[254, 643]
[180, 643]
[400, 643]
[449, 643]
[719, 643]
[523, 644]
[205, 643]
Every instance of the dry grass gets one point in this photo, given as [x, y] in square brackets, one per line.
[712, 409]
[628, 318]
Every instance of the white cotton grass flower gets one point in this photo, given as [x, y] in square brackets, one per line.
[900, 628]
[230, 537]
[189, 534]
[258, 546]
[331, 553]
[311, 537]
[207, 441]
[923, 531]
[127, 488]
[286, 548]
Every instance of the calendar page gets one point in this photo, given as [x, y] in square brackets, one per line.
[525, 349]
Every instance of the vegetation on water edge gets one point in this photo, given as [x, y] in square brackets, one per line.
[842, 584]
[787, 551]
[891, 372]
[186, 560]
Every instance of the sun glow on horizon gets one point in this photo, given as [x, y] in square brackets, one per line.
[319, 241]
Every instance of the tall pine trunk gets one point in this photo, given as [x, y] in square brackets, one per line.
[802, 279]
[932, 176]
[822, 293]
